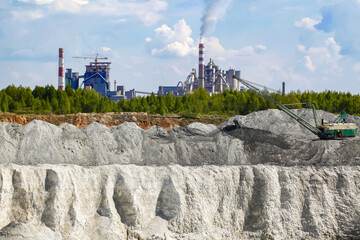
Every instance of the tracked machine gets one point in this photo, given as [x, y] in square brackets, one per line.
[338, 129]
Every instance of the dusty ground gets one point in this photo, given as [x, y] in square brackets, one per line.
[80, 120]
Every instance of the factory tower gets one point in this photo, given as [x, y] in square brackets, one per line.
[201, 64]
[61, 81]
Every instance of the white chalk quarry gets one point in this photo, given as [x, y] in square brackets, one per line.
[268, 179]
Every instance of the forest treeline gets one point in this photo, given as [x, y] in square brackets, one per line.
[44, 100]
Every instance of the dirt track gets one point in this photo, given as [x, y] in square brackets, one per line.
[80, 120]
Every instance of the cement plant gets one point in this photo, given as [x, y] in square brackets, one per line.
[97, 76]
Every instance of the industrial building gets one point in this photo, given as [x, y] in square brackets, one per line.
[211, 78]
[72, 79]
[96, 76]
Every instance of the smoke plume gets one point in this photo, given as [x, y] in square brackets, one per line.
[214, 10]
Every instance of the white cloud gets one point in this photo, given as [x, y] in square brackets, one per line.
[174, 49]
[148, 12]
[260, 47]
[39, 2]
[181, 32]
[121, 20]
[333, 47]
[73, 6]
[341, 19]
[246, 51]
[147, 39]
[177, 41]
[301, 48]
[25, 16]
[214, 49]
[173, 42]
[324, 57]
[308, 64]
[106, 49]
[63, 3]
[307, 23]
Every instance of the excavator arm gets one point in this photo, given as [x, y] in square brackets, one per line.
[297, 118]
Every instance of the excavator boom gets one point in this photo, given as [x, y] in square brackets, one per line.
[297, 118]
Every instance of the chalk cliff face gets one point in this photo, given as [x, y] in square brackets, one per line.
[258, 181]
[211, 202]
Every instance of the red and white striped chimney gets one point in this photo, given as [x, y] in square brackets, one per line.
[201, 63]
[61, 69]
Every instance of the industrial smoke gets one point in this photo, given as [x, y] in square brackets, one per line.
[214, 10]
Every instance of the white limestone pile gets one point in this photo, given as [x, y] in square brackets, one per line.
[267, 179]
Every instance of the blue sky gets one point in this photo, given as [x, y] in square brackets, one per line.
[310, 45]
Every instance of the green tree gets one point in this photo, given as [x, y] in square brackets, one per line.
[39, 92]
[69, 91]
[54, 104]
[46, 105]
[4, 102]
[161, 108]
[76, 105]
[179, 106]
[122, 106]
[64, 103]
[170, 102]
[37, 106]
[144, 105]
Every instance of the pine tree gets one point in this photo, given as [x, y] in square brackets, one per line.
[144, 104]
[46, 105]
[64, 104]
[37, 106]
[4, 103]
[179, 106]
[54, 104]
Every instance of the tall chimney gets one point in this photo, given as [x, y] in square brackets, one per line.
[283, 88]
[201, 63]
[61, 81]
[115, 85]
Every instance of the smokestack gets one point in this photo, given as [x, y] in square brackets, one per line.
[283, 88]
[201, 63]
[115, 85]
[61, 81]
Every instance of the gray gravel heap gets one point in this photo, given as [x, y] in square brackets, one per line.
[267, 137]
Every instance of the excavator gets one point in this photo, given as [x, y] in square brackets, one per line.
[338, 129]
